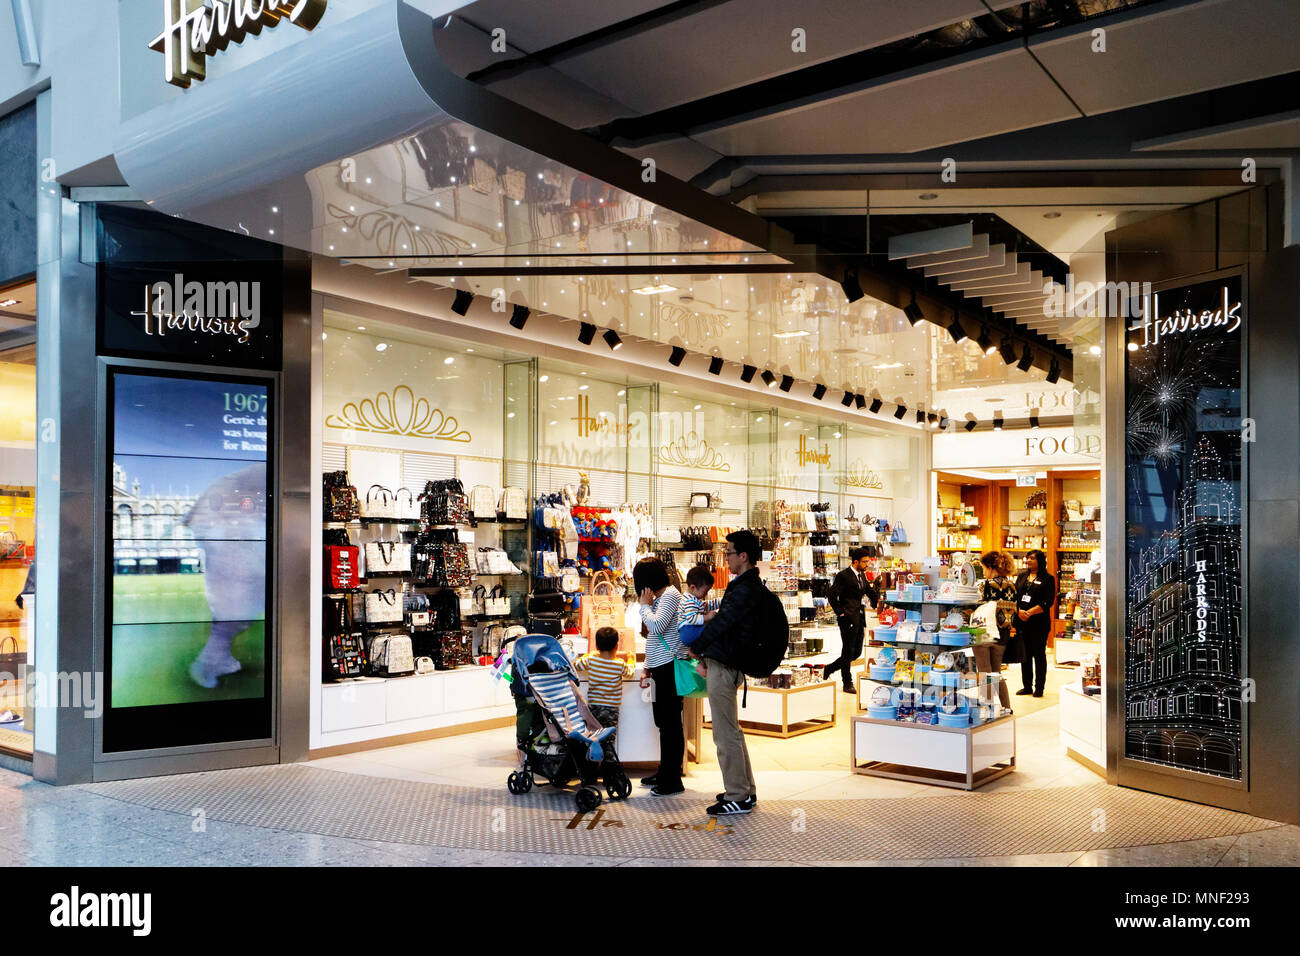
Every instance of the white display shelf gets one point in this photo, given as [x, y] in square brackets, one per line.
[960, 757]
[373, 708]
[1082, 726]
[787, 711]
[1071, 650]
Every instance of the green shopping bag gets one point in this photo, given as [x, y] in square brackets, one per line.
[686, 677]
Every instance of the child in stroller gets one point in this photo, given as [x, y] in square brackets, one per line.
[570, 743]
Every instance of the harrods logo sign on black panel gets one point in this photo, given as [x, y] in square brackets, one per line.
[1183, 681]
[193, 30]
[212, 313]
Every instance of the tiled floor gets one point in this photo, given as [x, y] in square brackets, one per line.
[444, 802]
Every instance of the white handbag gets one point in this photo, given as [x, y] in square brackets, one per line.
[388, 557]
[378, 503]
[498, 605]
[383, 607]
[466, 598]
[405, 505]
[570, 581]
[482, 502]
[390, 655]
[424, 665]
[513, 505]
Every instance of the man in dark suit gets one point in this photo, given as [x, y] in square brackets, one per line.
[846, 593]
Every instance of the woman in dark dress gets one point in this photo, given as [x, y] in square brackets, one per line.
[1035, 595]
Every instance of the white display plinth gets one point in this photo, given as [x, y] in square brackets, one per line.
[1082, 725]
[1068, 650]
[786, 712]
[638, 737]
[962, 757]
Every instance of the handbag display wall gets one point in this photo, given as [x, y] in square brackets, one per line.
[387, 557]
[340, 498]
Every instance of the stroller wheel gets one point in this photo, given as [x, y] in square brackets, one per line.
[587, 799]
[619, 786]
[518, 783]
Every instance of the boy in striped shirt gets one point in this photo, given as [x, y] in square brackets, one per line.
[605, 673]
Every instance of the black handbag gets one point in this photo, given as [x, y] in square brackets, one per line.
[546, 603]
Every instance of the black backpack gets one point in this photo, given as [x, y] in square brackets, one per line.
[770, 637]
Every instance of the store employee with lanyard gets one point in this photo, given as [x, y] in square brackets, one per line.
[1035, 595]
[845, 597]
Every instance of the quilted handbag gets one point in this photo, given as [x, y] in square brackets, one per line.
[424, 665]
[498, 605]
[390, 655]
[494, 638]
[340, 498]
[388, 557]
[378, 503]
[383, 607]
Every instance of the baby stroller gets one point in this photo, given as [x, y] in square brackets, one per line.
[571, 744]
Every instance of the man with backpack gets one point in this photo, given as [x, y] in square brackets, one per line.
[746, 635]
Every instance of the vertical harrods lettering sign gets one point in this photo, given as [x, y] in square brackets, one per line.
[1184, 511]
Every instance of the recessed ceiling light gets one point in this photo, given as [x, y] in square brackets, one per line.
[544, 378]
[5, 303]
[1051, 215]
[658, 289]
[381, 347]
[361, 328]
[790, 335]
[449, 360]
[929, 196]
[1095, 350]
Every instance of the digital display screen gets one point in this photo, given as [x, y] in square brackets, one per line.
[189, 563]
[1184, 430]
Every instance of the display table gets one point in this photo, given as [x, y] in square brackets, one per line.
[1070, 650]
[787, 712]
[1082, 723]
[961, 757]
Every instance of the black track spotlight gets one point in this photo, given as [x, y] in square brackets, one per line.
[847, 400]
[1054, 373]
[463, 298]
[768, 378]
[612, 340]
[933, 420]
[519, 316]
[955, 330]
[819, 392]
[920, 417]
[971, 424]
[786, 382]
[985, 341]
[900, 411]
[715, 365]
[944, 421]
[1026, 359]
[876, 404]
[1008, 350]
[860, 401]
[913, 311]
[1033, 418]
[852, 290]
[678, 354]
[997, 421]
[586, 333]
[747, 374]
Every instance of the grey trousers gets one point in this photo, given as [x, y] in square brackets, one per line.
[733, 755]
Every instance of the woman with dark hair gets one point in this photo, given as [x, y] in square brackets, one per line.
[659, 601]
[1035, 595]
[997, 586]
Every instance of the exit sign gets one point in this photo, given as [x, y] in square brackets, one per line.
[1026, 481]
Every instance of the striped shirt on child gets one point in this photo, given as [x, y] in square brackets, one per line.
[604, 678]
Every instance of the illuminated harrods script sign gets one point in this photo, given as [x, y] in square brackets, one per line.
[213, 308]
[1226, 317]
[193, 30]
[810, 455]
